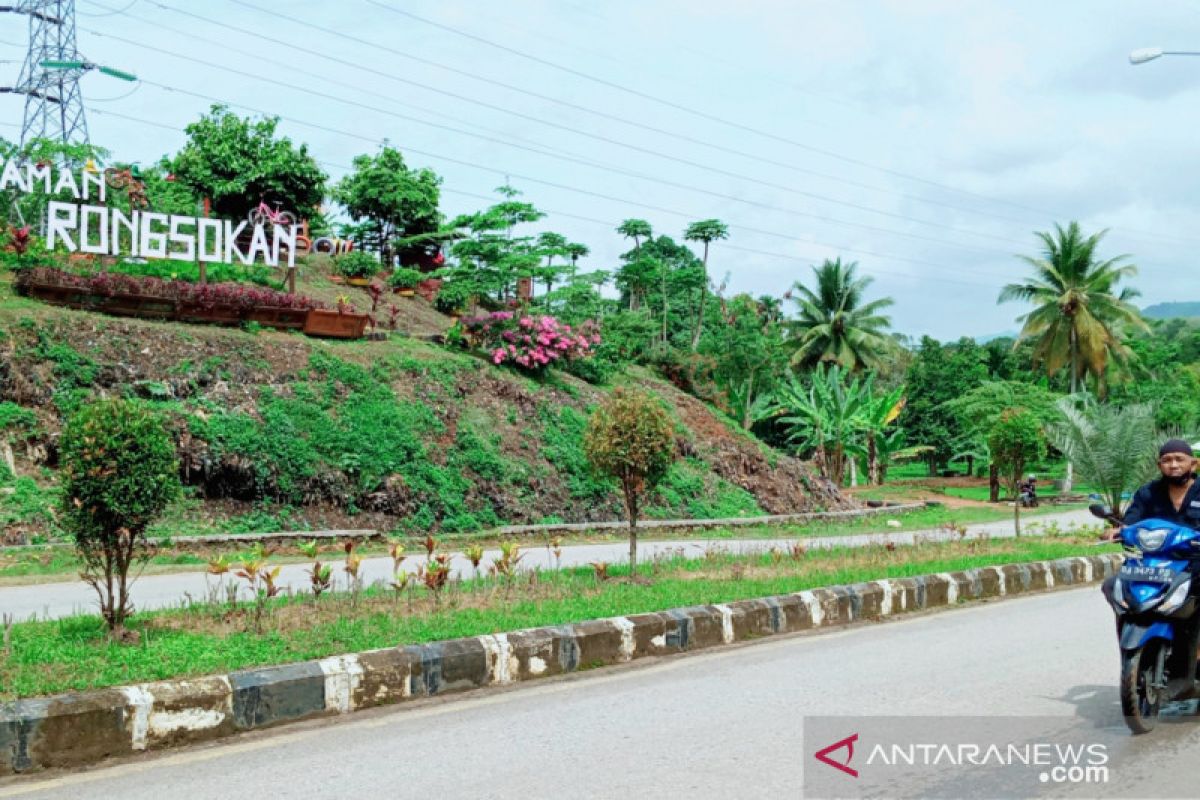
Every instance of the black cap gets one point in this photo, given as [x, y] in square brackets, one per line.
[1175, 446]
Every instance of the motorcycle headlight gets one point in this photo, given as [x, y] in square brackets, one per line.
[1151, 539]
[1176, 598]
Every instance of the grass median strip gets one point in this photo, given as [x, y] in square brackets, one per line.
[37, 564]
[214, 637]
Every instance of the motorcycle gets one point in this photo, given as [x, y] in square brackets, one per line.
[1155, 601]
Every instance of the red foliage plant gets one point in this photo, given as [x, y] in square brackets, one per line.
[208, 296]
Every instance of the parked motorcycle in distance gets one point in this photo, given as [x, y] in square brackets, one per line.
[1154, 597]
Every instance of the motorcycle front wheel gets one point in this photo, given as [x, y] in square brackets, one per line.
[1140, 699]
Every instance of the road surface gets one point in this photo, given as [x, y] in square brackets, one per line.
[66, 598]
[725, 724]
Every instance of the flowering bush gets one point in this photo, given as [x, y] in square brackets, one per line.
[531, 342]
[207, 296]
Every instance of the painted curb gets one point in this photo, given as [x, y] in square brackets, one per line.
[74, 730]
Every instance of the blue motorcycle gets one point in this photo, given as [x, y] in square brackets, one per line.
[1154, 598]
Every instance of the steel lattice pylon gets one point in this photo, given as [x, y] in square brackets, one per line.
[53, 100]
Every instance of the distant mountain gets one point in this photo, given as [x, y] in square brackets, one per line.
[1171, 310]
[991, 336]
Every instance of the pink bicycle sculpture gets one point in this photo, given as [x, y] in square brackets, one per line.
[263, 214]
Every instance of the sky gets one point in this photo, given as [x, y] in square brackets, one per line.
[926, 140]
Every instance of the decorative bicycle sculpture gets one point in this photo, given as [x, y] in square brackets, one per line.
[131, 181]
[263, 214]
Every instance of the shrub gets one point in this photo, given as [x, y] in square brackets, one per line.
[630, 438]
[405, 278]
[452, 297]
[356, 264]
[119, 473]
[530, 342]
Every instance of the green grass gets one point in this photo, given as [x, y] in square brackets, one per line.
[20, 566]
[74, 654]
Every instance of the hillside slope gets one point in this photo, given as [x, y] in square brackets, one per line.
[390, 434]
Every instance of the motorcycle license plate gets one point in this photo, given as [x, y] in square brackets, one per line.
[1131, 572]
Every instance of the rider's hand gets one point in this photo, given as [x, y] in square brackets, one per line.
[1111, 535]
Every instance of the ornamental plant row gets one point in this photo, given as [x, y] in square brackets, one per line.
[207, 296]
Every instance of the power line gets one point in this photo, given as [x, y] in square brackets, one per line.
[537, 150]
[625, 201]
[558, 152]
[721, 120]
[598, 137]
[624, 120]
[110, 12]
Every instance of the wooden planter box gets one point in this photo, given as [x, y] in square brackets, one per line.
[358, 281]
[407, 291]
[292, 318]
[335, 324]
[215, 315]
[136, 305]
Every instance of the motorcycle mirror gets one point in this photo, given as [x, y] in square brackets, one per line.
[1099, 510]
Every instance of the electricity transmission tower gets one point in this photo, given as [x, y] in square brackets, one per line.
[53, 100]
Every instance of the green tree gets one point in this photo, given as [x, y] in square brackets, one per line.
[939, 373]
[551, 245]
[629, 437]
[491, 260]
[979, 409]
[748, 350]
[1079, 316]
[119, 472]
[1168, 373]
[393, 200]
[834, 325]
[706, 231]
[637, 273]
[1015, 440]
[237, 162]
[1112, 447]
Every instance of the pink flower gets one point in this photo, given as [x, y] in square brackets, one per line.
[526, 322]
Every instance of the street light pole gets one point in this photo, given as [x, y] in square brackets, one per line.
[1144, 54]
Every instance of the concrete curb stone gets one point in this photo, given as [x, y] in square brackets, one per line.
[78, 729]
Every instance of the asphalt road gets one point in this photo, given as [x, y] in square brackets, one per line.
[65, 598]
[726, 724]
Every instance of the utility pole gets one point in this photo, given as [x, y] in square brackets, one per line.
[53, 100]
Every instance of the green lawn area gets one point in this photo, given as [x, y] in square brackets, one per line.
[75, 653]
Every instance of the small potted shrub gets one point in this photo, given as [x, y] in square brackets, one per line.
[357, 267]
[404, 281]
[453, 298]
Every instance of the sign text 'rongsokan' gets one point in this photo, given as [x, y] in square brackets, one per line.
[82, 227]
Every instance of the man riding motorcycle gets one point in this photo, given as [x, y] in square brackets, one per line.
[1153, 593]
[1175, 496]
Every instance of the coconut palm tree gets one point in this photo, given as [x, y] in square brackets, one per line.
[1078, 316]
[834, 325]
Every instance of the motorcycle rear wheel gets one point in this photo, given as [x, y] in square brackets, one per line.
[1140, 701]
